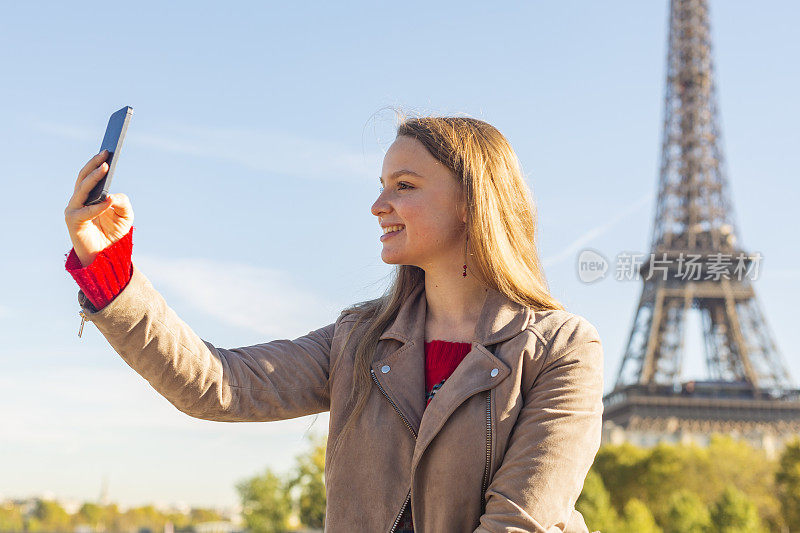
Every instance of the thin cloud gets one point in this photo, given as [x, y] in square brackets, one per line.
[75, 408]
[265, 301]
[595, 232]
[261, 150]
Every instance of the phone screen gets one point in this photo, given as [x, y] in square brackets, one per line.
[112, 141]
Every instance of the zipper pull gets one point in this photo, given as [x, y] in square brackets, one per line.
[83, 320]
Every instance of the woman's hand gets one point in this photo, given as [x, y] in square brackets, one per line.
[93, 227]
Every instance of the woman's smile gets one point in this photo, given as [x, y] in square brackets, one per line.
[390, 231]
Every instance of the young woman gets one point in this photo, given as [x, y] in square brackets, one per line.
[464, 399]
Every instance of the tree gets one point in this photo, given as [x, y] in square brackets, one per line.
[664, 472]
[686, 514]
[309, 480]
[637, 517]
[594, 504]
[266, 504]
[49, 516]
[92, 515]
[787, 479]
[621, 467]
[11, 518]
[199, 515]
[730, 462]
[734, 513]
[114, 519]
[653, 475]
[145, 517]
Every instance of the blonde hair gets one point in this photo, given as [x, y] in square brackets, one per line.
[501, 232]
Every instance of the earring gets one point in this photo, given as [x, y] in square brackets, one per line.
[465, 257]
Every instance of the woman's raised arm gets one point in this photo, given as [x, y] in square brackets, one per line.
[275, 380]
[271, 381]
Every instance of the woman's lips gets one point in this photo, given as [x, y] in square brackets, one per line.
[390, 234]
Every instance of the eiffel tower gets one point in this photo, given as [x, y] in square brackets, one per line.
[696, 268]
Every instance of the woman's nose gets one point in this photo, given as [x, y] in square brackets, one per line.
[380, 206]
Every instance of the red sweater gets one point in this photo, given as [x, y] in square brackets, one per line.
[111, 270]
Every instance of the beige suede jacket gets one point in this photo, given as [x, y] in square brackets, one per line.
[505, 445]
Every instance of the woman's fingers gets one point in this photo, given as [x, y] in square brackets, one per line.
[90, 165]
[121, 205]
[86, 186]
[90, 212]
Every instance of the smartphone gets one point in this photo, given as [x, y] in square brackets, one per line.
[112, 141]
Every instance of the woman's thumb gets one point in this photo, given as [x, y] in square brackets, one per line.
[91, 211]
[121, 204]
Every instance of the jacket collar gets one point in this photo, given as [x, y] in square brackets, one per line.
[400, 371]
[500, 319]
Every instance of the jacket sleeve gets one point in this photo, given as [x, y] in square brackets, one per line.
[554, 440]
[276, 380]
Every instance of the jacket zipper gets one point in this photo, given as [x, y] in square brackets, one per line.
[403, 508]
[488, 449]
[411, 429]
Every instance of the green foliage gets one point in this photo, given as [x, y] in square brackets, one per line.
[688, 488]
[637, 517]
[113, 518]
[621, 467]
[309, 479]
[266, 504]
[92, 515]
[595, 505]
[199, 515]
[734, 513]
[146, 517]
[11, 518]
[270, 500]
[787, 480]
[686, 513]
[734, 463]
[49, 516]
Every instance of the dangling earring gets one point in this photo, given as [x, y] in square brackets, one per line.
[465, 257]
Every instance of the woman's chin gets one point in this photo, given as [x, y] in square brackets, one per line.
[390, 258]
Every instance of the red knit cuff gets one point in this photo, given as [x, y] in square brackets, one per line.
[107, 275]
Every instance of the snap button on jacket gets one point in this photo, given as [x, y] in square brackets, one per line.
[505, 445]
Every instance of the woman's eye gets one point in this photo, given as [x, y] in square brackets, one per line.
[401, 185]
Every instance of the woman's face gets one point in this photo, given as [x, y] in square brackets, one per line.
[423, 197]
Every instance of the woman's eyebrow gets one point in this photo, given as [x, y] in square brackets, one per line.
[397, 173]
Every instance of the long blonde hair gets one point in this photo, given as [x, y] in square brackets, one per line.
[501, 232]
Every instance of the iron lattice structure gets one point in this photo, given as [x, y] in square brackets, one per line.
[695, 260]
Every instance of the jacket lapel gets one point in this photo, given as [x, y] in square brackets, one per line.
[480, 370]
[401, 372]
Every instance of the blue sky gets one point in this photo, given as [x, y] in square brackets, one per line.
[252, 161]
